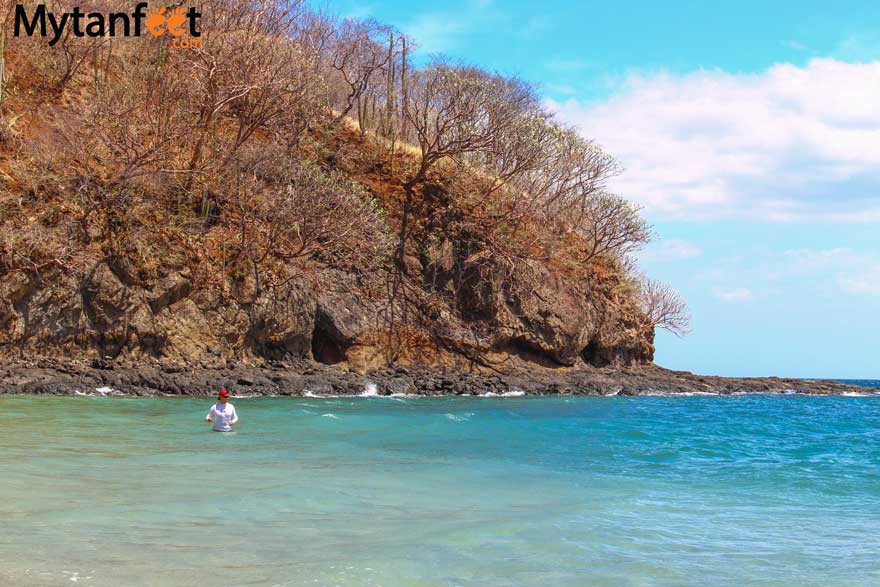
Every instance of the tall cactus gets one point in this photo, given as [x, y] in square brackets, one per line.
[389, 100]
[403, 81]
[388, 118]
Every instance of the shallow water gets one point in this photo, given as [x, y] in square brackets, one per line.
[727, 491]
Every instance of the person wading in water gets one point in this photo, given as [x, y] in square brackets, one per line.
[222, 414]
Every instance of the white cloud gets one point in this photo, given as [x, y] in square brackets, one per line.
[854, 272]
[359, 11]
[672, 250]
[437, 31]
[567, 65]
[740, 294]
[860, 46]
[867, 282]
[812, 260]
[798, 46]
[562, 89]
[787, 144]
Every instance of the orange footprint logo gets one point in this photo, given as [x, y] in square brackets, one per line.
[156, 21]
[176, 20]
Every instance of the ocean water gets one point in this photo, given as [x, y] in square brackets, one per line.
[862, 382]
[416, 492]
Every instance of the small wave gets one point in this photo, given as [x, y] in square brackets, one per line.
[82, 394]
[107, 391]
[74, 576]
[455, 418]
[370, 391]
[334, 416]
[312, 394]
[515, 393]
[859, 394]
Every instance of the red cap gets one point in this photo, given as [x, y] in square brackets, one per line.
[223, 393]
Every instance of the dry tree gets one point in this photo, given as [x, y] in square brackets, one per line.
[664, 307]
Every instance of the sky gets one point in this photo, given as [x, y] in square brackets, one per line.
[750, 133]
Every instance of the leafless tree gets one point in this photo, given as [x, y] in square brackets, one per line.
[310, 213]
[458, 111]
[359, 54]
[611, 225]
[664, 308]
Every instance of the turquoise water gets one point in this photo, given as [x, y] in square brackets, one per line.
[722, 491]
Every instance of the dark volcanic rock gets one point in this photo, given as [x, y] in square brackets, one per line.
[51, 376]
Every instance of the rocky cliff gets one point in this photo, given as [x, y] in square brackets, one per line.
[493, 321]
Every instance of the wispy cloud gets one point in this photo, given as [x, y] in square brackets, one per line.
[740, 294]
[854, 272]
[567, 65]
[861, 46]
[759, 273]
[788, 144]
[795, 45]
[671, 250]
[867, 282]
[439, 31]
[359, 11]
[536, 25]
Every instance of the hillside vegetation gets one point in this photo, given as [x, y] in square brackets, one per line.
[299, 187]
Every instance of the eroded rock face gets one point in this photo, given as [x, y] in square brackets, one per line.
[281, 320]
[528, 313]
[541, 312]
[99, 313]
[538, 316]
[344, 318]
[118, 318]
[43, 308]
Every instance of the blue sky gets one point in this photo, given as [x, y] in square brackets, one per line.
[749, 131]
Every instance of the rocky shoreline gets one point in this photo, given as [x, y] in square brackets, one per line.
[306, 378]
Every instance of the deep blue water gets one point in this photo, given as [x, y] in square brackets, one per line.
[645, 491]
[862, 382]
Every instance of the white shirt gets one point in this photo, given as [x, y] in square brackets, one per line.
[222, 414]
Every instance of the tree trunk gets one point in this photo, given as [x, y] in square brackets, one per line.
[403, 92]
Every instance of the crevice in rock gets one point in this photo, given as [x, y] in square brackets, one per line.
[523, 349]
[325, 348]
[595, 355]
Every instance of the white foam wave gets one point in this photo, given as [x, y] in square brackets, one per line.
[515, 393]
[370, 391]
[107, 391]
[312, 394]
[859, 394]
[456, 418]
[334, 416]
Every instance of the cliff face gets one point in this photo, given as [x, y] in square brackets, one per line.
[497, 319]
